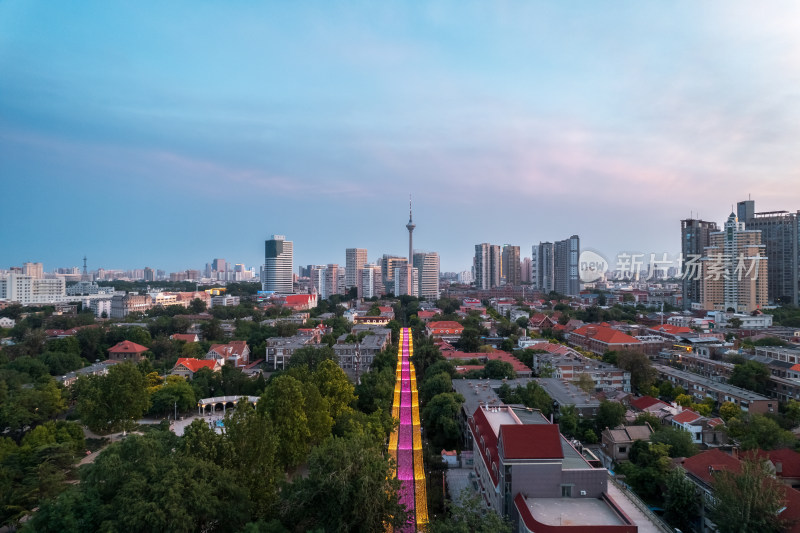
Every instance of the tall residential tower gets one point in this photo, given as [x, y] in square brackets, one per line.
[276, 275]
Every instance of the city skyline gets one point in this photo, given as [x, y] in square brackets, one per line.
[171, 144]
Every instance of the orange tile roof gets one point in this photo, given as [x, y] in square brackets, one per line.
[127, 347]
[703, 464]
[195, 364]
[188, 337]
[606, 334]
[686, 416]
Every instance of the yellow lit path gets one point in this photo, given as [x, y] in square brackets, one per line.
[405, 443]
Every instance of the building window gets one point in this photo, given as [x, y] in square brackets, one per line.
[566, 491]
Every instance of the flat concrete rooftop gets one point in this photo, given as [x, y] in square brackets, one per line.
[573, 512]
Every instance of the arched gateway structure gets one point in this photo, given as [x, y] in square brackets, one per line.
[405, 443]
[224, 401]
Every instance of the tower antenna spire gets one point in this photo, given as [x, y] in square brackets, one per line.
[410, 227]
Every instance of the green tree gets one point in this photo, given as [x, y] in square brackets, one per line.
[470, 340]
[496, 369]
[434, 385]
[679, 441]
[749, 500]
[750, 375]
[212, 330]
[735, 323]
[638, 364]
[754, 431]
[680, 502]
[441, 420]
[114, 401]
[350, 487]
[609, 415]
[178, 395]
[312, 357]
[647, 418]
[139, 484]
[251, 447]
[335, 387]
[730, 410]
[568, 420]
[469, 516]
[197, 305]
[283, 402]
[585, 383]
[684, 400]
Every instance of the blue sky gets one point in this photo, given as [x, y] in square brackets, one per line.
[166, 134]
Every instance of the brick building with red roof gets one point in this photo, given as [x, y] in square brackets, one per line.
[127, 351]
[448, 330]
[601, 338]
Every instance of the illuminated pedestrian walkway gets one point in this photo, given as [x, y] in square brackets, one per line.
[405, 443]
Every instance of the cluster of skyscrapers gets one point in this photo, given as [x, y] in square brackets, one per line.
[415, 275]
[752, 261]
[552, 266]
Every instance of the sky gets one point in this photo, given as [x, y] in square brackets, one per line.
[166, 134]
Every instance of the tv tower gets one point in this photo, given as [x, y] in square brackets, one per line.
[410, 226]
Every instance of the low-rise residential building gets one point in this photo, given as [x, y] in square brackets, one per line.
[280, 349]
[235, 353]
[7, 322]
[187, 366]
[447, 330]
[127, 351]
[357, 358]
[616, 443]
[124, 304]
[565, 363]
[225, 300]
[601, 338]
[700, 387]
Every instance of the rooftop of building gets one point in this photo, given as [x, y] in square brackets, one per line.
[604, 333]
[573, 512]
[710, 383]
[127, 347]
[566, 393]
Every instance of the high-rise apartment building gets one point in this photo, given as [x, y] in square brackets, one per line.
[355, 258]
[427, 265]
[219, 265]
[525, 270]
[566, 254]
[28, 290]
[317, 275]
[734, 270]
[34, 270]
[511, 273]
[695, 238]
[406, 280]
[276, 275]
[488, 265]
[149, 274]
[780, 235]
[371, 282]
[388, 264]
[542, 268]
